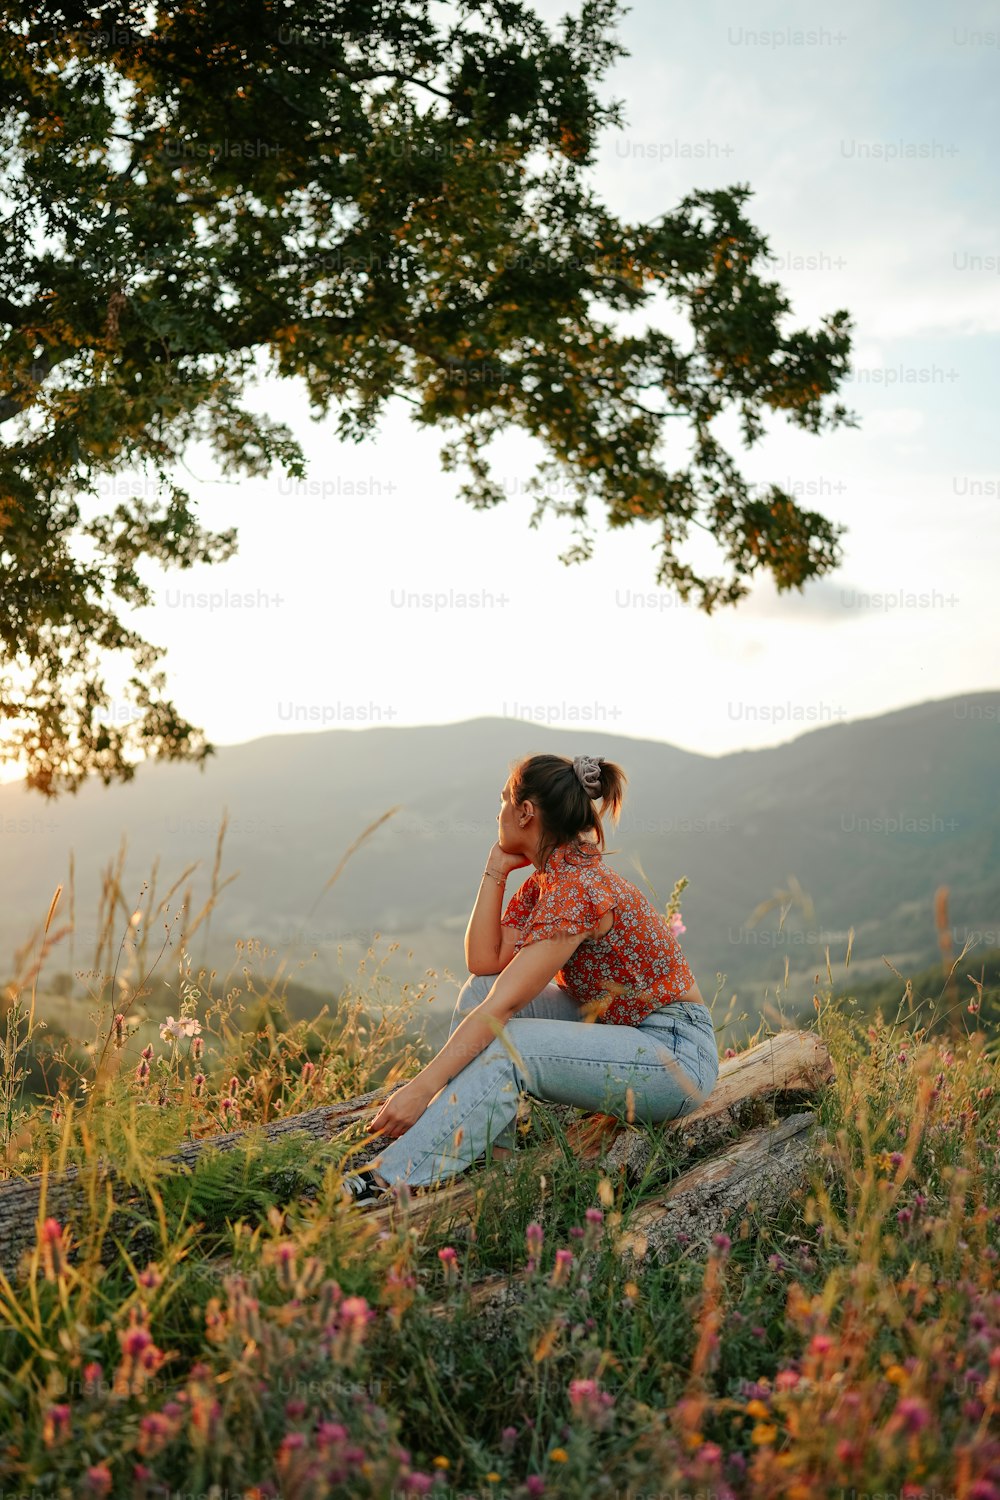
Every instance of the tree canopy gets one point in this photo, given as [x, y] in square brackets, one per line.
[379, 204]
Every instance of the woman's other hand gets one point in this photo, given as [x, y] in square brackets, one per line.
[402, 1109]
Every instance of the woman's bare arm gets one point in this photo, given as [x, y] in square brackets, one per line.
[488, 947]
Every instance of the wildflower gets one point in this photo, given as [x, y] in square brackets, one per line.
[913, 1413]
[729, 1052]
[533, 1235]
[763, 1433]
[147, 1053]
[535, 1484]
[53, 1250]
[176, 1031]
[197, 1048]
[493, 1477]
[284, 1256]
[508, 1438]
[449, 1260]
[676, 925]
[234, 1087]
[92, 1374]
[589, 1403]
[56, 1425]
[441, 1462]
[119, 1031]
[142, 1073]
[722, 1241]
[560, 1271]
[308, 1069]
[198, 1085]
[155, 1431]
[559, 1456]
[98, 1480]
[150, 1278]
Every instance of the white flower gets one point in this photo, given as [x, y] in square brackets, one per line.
[175, 1031]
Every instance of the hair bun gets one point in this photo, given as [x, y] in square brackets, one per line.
[588, 773]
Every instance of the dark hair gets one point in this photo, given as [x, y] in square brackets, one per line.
[566, 809]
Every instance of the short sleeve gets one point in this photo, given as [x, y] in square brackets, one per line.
[521, 904]
[568, 906]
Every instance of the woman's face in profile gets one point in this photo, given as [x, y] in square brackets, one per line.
[507, 824]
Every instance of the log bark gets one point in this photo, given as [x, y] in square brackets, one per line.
[751, 1086]
[756, 1175]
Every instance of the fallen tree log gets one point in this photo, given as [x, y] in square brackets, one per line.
[755, 1175]
[771, 1075]
[752, 1087]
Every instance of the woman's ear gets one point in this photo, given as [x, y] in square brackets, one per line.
[525, 813]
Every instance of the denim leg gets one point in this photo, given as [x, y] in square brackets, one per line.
[591, 1066]
[551, 1004]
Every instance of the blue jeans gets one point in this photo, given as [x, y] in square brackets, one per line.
[670, 1063]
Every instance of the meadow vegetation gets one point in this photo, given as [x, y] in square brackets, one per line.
[235, 1330]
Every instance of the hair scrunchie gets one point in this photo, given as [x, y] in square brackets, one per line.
[588, 773]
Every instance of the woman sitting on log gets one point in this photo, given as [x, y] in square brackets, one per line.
[577, 943]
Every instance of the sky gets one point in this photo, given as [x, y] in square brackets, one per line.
[373, 594]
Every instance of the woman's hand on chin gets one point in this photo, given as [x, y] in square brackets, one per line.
[502, 862]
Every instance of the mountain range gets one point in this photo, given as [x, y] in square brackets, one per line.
[857, 823]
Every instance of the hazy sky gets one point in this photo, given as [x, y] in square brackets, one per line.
[868, 135]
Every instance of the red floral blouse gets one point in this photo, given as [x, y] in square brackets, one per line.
[636, 968]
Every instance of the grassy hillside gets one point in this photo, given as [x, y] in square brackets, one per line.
[252, 1336]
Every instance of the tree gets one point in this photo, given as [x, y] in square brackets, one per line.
[377, 205]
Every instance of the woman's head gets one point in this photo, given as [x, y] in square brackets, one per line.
[553, 800]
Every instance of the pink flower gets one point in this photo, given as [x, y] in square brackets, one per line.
[356, 1310]
[676, 924]
[98, 1479]
[589, 1403]
[913, 1413]
[447, 1256]
[560, 1271]
[134, 1341]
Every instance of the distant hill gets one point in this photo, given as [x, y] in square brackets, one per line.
[870, 817]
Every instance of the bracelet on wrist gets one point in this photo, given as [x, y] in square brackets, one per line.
[501, 880]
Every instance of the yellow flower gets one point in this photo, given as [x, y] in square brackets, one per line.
[493, 1477]
[763, 1433]
[441, 1462]
[757, 1409]
[559, 1455]
[693, 1440]
[896, 1374]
